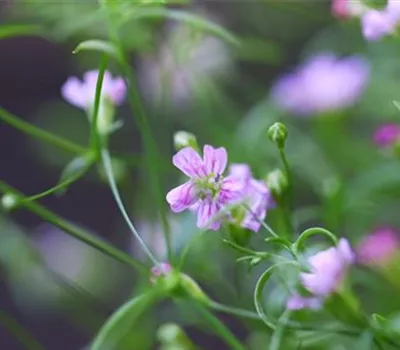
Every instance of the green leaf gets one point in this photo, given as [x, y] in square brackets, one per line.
[123, 320]
[100, 46]
[74, 170]
[13, 30]
[182, 16]
[365, 341]
[258, 292]
[311, 232]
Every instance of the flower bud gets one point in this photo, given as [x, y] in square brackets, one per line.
[184, 139]
[171, 336]
[9, 201]
[277, 133]
[191, 287]
[277, 182]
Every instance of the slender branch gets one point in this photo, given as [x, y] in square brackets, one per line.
[139, 114]
[40, 134]
[72, 229]
[114, 189]
[19, 332]
[219, 328]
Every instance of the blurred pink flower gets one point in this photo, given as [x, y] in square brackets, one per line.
[82, 93]
[207, 191]
[379, 23]
[324, 83]
[256, 194]
[344, 9]
[298, 302]
[162, 269]
[379, 247]
[328, 269]
[387, 135]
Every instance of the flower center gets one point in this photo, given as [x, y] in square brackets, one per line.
[209, 186]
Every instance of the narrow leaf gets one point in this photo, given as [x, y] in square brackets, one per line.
[123, 320]
[100, 46]
[9, 31]
[182, 16]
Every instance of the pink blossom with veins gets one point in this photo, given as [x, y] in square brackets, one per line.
[81, 93]
[328, 270]
[256, 194]
[207, 190]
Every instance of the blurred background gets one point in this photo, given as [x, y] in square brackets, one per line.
[62, 291]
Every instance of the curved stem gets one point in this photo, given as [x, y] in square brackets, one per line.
[19, 332]
[40, 134]
[233, 310]
[71, 229]
[114, 189]
[142, 121]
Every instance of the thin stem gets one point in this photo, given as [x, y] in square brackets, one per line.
[276, 339]
[141, 118]
[71, 229]
[263, 223]
[19, 332]
[40, 134]
[219, 328]
[288, 197]
[61, 185]
[94, 135]
[233, 310]
[114, 189]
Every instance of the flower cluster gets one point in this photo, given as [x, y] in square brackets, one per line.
[328, 270]
[322, 84]
[208, 191]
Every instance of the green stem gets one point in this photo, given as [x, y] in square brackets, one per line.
[40, 134]
[219, 328]
[94, 135]
[61, 185]
[139, 113]
[233, 310]
[71, 229]
[288, 197]
[114, 189]
[276, 339]
[19, 332]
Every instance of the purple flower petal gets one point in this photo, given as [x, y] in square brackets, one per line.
[189, 162]
[215, 159]
[206, 212]
[74, 92]
[298, 302]
[232, 189]
[376, 24]
[182, 197]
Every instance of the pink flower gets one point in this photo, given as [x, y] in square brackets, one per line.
[322, 84]
[344, 9]
[256, 195]
[207, 191]
[162, 269]
[328, 269]
[298, 302]
[377, 24]
[379, 247]
[82, 93]
[387, 135]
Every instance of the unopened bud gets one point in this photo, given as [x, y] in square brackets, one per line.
[184, 139]
[191, 287]
[9, 201]
[277, 133]
[277, 182]
[171, 336]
